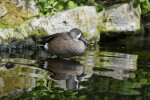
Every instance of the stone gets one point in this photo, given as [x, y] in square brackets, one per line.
[146, 23]
[16, 12]
[3, 11]
[83, 18]
[120, 18]
[11, 33]
[28, 8]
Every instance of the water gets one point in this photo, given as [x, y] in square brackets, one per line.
[110, 70]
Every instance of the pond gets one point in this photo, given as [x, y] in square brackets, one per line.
[109, 70]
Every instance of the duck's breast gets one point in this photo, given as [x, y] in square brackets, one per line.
[66, 47]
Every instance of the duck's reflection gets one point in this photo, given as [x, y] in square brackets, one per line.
[69, 70]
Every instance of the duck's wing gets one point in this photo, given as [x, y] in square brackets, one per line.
[47, 39]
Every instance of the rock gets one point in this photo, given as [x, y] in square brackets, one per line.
[9, 65]
[146, 23]
[147, 26]
[3, 11]
[120, 18]
[11, 33]
[83, 18]
[28, 8]
[4, 33]
[16, 12]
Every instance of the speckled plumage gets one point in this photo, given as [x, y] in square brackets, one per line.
[65, 46]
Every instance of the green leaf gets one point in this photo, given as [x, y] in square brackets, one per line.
[41, 1]
[72, 5]
[53, 96]
[89, 1]
[136, 85]
[82, 97]
[49, 2]
[55, 9]
[61, 7]
[142, 0]
[135, 3]
[41, 14]
[65, 0]
[143, 81]
[147, 2]
[74, 93]
[49, 7]
[97, 8]
[104, 8]
[147, 6]
[47, 14]
[81, 4]
[55, 4]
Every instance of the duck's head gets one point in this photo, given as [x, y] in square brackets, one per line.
[77, 35]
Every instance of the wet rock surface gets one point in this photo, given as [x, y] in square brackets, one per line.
[28, 48]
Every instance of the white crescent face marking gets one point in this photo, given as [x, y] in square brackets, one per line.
[78, 36]
[45, 65]
[46, 46]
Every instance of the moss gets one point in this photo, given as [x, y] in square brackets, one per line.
[2, 26]
[87, 34]
[92, 38]
[13, 19]
[106, 24]
[75, 15]
[39, 32]
[15, 16]
[86, 22]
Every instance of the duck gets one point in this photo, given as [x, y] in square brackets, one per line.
[67, 44]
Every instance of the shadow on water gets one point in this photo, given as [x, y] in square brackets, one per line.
[114, 70]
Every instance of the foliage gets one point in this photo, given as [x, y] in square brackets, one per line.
[45, 91]
[42, 93]
[50, 7]
[145, 5]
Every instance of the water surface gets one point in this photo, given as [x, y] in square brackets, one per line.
[116, 69]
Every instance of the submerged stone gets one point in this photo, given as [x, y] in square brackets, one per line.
[9, 65]
[18, 44]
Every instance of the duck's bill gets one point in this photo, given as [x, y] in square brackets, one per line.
[82, 39]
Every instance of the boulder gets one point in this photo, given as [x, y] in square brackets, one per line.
[15, 12]
[28, 8]
[3, 10]
[120, 18]
[83, 18]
